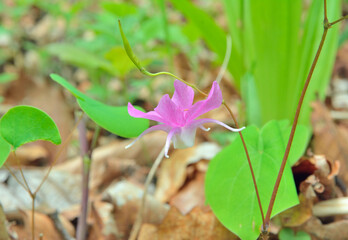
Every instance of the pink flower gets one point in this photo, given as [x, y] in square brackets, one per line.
[178, 115]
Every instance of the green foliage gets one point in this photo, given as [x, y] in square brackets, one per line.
[114, 119]
[229, 188]
[289, 234]
[273, 44]
[7, 77]
[5, 149]
[80, 57]
[24, 124]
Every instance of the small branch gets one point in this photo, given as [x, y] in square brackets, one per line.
[139, 219]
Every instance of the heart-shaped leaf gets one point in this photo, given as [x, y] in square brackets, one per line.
[229, 187]
[114, 119]
[5, 149]
[23, 124]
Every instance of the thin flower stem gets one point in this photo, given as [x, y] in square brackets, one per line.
[249, 162]
[33, 197]
[58, 154]
[15, 177]
[339, 20]
[136, 227]
[21, 172]
[327, 25]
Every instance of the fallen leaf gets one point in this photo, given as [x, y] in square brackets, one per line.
[333, 231]
[191, 195]
[329, 139]
[126, 198]
[172, 173]
[196, 225]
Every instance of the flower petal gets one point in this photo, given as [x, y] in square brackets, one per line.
[183, 95]
[185, 137]
[162, 127]
[171, 114]
[152, 115]
[199, 122]
[213, 101]
[169, 139]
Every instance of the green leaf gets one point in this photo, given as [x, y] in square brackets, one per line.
[212, 34]
[250, 97]
[5, 149]
[80, 57]
[114, 119]
[7, 77]
[120, 60]
[24, 124]
[229, 188]
[288, 234]
[120, 9]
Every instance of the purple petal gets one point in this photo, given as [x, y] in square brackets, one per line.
[183, 95]
[151, 129]
[170, 113]
[139, 114]
[199, 122]
[213, 101]
[169, 139]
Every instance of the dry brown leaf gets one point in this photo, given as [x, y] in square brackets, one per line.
[298, 214]
[329, 139]
[172, 173]
[191, 195]
[196, 225]
[126, 198]
[3, 226]
[43, 226]
[333, 231]
[140, 152]
[60, 191]
[103, 225]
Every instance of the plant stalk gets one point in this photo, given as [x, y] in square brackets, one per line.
[140, 214]
[327, 25]
[86, 156]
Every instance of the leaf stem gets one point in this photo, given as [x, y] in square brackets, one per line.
[249, 162]
[327, 25]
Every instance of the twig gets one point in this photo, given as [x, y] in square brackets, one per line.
[139, 219]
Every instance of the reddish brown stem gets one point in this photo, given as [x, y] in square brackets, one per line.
[297, 114]
[250, 165]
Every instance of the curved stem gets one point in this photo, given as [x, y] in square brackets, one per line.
[140, 214]
[294, 125]
[21, 172]
[15, 177]
[249, 162]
